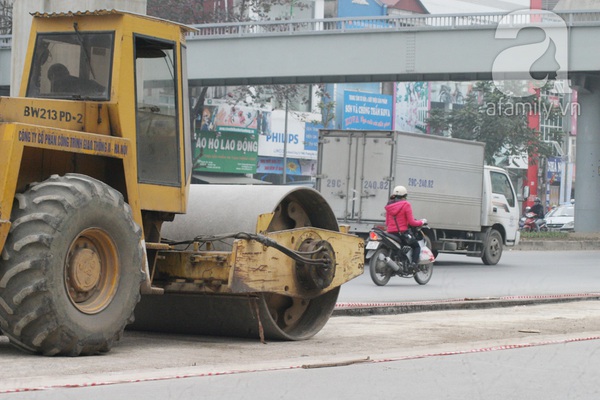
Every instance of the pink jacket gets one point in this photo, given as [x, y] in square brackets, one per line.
[402, 211]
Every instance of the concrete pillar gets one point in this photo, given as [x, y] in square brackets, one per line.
[22, 24]
[587, 183]
[319, 11]
[21, 27]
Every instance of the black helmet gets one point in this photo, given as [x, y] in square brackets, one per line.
[537, 200]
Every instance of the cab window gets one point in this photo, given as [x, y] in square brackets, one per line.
[156, 111]
[74, 65]
[501, 185]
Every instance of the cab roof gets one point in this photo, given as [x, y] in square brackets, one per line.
[184, 28]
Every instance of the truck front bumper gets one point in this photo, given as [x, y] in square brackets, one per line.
[516, 241]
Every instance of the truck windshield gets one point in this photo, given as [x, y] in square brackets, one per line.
[71, 66]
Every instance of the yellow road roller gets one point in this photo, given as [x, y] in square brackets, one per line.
[100, 227]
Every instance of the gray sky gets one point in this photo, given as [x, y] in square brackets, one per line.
[473, 6]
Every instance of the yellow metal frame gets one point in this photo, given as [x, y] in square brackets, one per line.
[257, 268]
[252, 267]
[15, 137]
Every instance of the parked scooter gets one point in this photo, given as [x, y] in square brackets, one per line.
[388, 257]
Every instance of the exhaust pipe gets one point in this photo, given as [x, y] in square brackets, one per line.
[390, 263]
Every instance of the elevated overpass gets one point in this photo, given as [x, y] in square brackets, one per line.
[489, 46]
[399, 48]
[376, 49]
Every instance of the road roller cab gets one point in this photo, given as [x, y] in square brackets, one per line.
[97, 212]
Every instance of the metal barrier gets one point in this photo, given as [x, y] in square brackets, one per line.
[386, 23]
[404, 23]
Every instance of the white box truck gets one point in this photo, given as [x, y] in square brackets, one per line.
[471, 208]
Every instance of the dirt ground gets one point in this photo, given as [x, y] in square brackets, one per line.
[344, 340]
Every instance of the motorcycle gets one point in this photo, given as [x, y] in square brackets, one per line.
[529, 224]
[387, 257]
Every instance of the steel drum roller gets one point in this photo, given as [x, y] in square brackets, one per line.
[220, 209]
[217, 209]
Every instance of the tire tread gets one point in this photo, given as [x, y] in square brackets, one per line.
[26, 315]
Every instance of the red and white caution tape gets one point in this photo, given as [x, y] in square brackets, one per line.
[464, 300]
[367, 360]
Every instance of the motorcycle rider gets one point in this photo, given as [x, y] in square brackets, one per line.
[398, 219]
[538, 210]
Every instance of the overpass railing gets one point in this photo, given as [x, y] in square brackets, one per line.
[419, 22]
[395, 22]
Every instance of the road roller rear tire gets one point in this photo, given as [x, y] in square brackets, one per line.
[71, 268]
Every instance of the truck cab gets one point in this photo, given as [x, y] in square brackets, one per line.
[500, 207]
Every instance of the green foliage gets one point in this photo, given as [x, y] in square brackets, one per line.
[6, 17]
[276, 95]
[438, 121]
[544, 235]
[498, 120]
[325, 105]
[204, 11]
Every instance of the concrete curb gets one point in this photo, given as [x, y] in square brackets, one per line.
[556, 245]
[357, 309]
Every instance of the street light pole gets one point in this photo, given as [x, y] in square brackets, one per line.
[285, 141]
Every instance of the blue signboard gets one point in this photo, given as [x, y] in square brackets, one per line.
[554, 169]
[362, 8]
[311, 136]
[367, 111]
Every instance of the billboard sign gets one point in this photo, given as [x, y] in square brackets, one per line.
[302, 136]
[225, 151]
[367, 111]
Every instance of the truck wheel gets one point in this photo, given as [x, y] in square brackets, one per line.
[380, 272]
[71, 268]
[492, 248]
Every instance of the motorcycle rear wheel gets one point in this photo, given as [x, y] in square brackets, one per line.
[380, 272]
